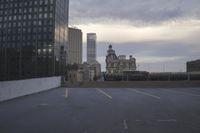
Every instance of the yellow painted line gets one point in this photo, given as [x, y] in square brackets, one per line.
[182, 92]
[145, 93]
[104, 93]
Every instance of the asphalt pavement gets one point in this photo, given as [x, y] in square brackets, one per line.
[95, 110]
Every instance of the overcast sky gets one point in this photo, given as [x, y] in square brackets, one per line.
[161, 34]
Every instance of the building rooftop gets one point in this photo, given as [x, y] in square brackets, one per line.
[198, 60]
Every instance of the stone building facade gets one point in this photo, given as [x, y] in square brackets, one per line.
[75, 46]
[118, 64]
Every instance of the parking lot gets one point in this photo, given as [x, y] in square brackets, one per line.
[113, 110]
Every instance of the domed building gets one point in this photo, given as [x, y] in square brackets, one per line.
[119, 64]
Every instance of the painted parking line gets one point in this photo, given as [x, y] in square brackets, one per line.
[66, 93]
[170, 120]
[183, 92]
[104, 93]
[125, 125]
[145, 93]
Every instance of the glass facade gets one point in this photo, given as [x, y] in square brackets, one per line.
[91, 47]
[33, 38]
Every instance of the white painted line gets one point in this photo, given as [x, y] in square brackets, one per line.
[104, 93]
[66, 93]
[145, 93]
[170, 120]
[125, 125]
[182, 92]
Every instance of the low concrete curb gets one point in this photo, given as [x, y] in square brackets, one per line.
[137, 84]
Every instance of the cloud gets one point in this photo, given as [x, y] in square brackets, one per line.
[161, 34]
[156, 59]
[153, 63]
[152, 56]
[179, 31]
[137, 20]
[140, 11]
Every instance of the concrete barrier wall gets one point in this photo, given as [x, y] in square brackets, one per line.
[14, 89]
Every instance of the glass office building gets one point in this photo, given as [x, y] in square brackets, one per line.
[33, 38]
[91, 48]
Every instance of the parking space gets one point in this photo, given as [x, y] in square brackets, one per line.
[95, 110]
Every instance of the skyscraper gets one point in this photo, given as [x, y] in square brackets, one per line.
[75, 46]
[91, 47]
[33, 38]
